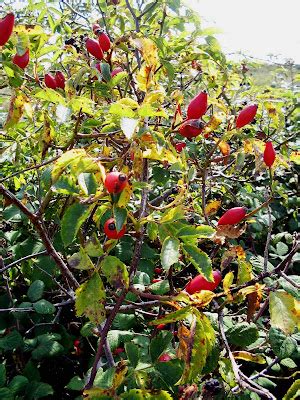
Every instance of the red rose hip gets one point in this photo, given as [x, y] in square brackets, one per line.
[60, 79]
[111, 231]
[246, 116]
[104, 41]
[164, 358]
[191, 128]
[115, 182]
[233, 216]
[94, 48]
[200, 283]
[6, 28]
[179, 146]
[269, 154]
[50, 81]
[21, 61]
[197, 106]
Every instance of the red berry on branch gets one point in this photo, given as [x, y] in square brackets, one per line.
[197, 106]
[191, 128]
[115, 182]
[158, 270]
[269, 154]
[50, 82]
[164, 358]
[111, 231]
[21, 61]
[200, 283]
[156, 280]
[94, 48]
[6, 28]
[104, 41]
[179, 146]
[246, 116]
[119, 350]
[60, 79]
[233, 216]
[160, 327]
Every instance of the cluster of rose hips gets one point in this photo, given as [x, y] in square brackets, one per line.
[193, 126]
[6, 28]
[97, 47]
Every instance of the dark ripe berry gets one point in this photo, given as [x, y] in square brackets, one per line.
[191, 128]
[246, 115]
[6, 28]
[116, 71]
[269, 154]
[110, 229]
[179, 146]
[94, 48]
[104, 41]
[70, 41]
[164, 358]
[197, 106]
[21, 61]
[169, 200]
[191, 220]
[60, 79]
[233, 216]
[50, 82]
[175, 190]
[213, 386]
[200, 283]
[115, 182]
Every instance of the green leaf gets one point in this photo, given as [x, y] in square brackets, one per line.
[283, 314]
[226, 371]
[87, 183]
[159, 344]
[199, 259]
[6, 394]
[294, 391]
[37, 390]
[197, 232]
[47, 347]
[169, 253]
[242, 334]
[282, 345]
[115, 271]
[143, 394]
[2, 375]
[36, 290]
[132, 352]
[80, 260]
[90, 299]
[172, 215]
[244, 272]
[44, 307]
[178, 315]
[152, 230]
[120, 215]
[93, 246]
[72, 220]
[11, 341]
[161, 287]
[18, 384]
[117, 79]
[117, 337]
[76, 383]
[50, 95]
[105, 71]
[288, 287]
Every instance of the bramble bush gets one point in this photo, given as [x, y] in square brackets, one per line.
[134, 158]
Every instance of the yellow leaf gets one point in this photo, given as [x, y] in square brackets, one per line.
[227, 282]
[213, 123]
[148, 49]
[295, 157]
[120, 373]
[125, 196]
[203, 298]
[245, 355]
[284, 311]
[212, 207]
[161, 154]
[15, 111]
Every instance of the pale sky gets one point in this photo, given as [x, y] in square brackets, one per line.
[256, 27]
